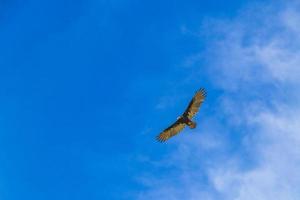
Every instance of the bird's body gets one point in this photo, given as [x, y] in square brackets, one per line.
[187, 121]
[186, 118]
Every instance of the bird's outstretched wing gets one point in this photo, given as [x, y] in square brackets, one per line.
[195, 103]
[171, 130]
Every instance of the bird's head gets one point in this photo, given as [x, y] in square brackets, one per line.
[193, 125]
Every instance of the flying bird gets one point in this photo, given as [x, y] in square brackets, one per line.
[185, 119]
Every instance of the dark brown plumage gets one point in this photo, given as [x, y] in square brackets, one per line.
[186, 118]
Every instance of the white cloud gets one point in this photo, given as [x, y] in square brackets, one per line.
[257, 66]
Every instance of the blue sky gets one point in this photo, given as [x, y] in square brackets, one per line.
[87, 85]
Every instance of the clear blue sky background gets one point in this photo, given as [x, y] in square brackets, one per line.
[80, 86]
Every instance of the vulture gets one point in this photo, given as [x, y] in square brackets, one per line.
[186, 118]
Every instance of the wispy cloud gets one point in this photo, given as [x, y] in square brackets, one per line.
[252, 151]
